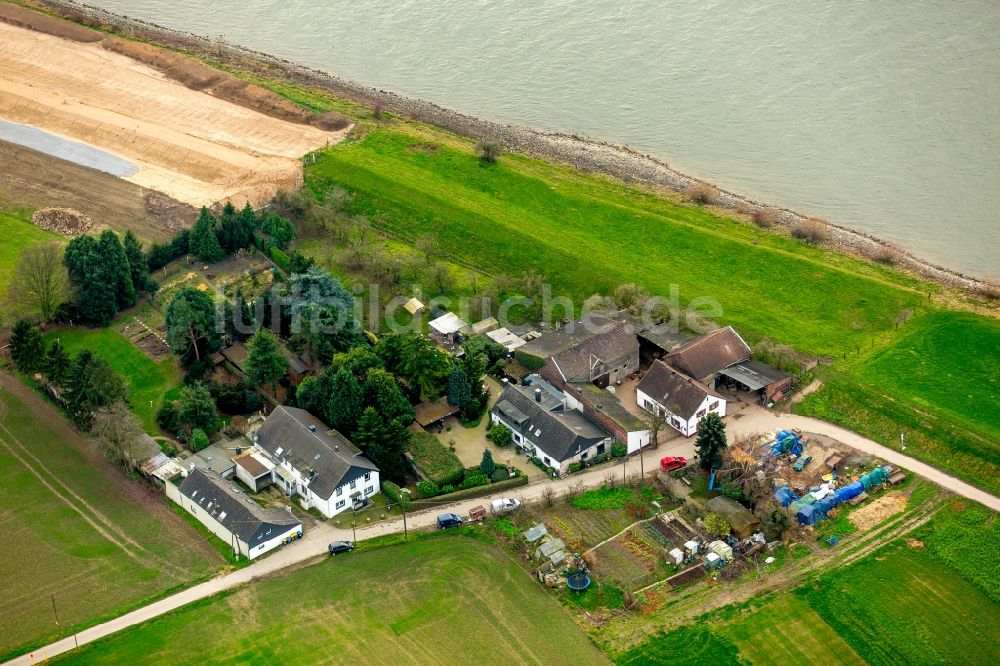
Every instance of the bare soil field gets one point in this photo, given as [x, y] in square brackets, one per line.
[190, 145]
[30, 180]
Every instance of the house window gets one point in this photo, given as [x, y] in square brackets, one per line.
[583, 457]
[600, 448]
[701, 414]
[341, 504]
[369, 490]
[675, 423]
[354, 484]
[340, 491]
[547, 461]
[713, 405]
[517, 438]
[368, 476]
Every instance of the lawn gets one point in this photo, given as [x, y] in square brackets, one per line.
[938, 383]
[77, 533]
[904, 606]
[447, 599]
[18, 234]
[150, 381]
[587, 235]
[692, 645]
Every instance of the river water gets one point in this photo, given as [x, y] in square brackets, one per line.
[883, 116]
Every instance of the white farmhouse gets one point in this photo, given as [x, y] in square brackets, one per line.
[246, 526]
[684, 401]
[546, 426]
[321, 466]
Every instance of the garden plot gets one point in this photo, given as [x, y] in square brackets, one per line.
[639, 556]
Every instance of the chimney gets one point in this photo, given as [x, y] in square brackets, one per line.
[336, 447]
[312, 428]
[538, 395]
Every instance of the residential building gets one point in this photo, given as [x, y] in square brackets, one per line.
[706, 356]
[596, 350]
[541, 422]
[228, 513]
[254, 469]
[684, 401]
[605, 408]
[319, 465]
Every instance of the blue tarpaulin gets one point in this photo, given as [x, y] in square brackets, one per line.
[850, 492]
[785, 496]
[807, 515]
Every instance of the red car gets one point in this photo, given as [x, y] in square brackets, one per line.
[671, 463]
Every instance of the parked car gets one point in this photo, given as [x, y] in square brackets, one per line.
[446, 520]
[505, 505]
[671, 463]
[801, 463]
[338, 547]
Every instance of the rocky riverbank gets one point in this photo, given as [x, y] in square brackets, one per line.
[582, 153]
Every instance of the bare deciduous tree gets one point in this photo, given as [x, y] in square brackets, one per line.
[40, 283]
[116, 429]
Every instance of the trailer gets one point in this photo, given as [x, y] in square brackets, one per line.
[834, 459]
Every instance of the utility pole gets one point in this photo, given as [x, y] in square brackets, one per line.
[354, 532]
[54, 613]
[403, 505]
[642, 469]
[624, 469]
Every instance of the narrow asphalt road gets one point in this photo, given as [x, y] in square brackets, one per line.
[314, 543]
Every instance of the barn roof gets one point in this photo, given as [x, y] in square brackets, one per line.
[710, 353]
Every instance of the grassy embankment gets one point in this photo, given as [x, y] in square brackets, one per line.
[75, 537]
[456, 600]
[150, 381]
[896, 606]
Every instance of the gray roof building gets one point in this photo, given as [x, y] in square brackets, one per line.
[330, 459]
[596, 349]
[703, 357]
[538, 412]
[236, 512]
[679, 394]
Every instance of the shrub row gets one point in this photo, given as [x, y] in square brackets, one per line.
[489, 489]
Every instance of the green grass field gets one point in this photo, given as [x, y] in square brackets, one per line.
[687, 646]
[18, 234]
[149, 380]
[587, 235]
[938, 383]
[440, 600]
[78, 534]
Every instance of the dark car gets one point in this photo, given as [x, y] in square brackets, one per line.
[446, 520]
[671, 463]
[338, 547]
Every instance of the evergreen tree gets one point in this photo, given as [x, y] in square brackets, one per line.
[344, 401]
[138, 267]
[383, 443]
[94, 288]
[116, 268]
[204, 242]
[382, 393]
[27, 349]
[711, 442]
[486, 465]
[311, 395]
[278, 228]
[199, 440]
[265, 364]
[459, 392]
[90, 385]
[230, 233]
[424, 365]
[248, 225]
[196, 409]
[57, 363]
[181, 243]
[191, 325]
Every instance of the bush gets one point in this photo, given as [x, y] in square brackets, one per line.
[158, 256]
[703, 193]
[199, 440]
[435, 460]
[575, 467]
[395, 494]
[500, 435]
[811, 231]
[488, 151]
[886, 254]
[716, 524]
[499, 474]
[489, 489]
[619, 450]
[167, 417]
[765, 219]
[474, 479]
[427, 489]
[529, 362]
[600, 458]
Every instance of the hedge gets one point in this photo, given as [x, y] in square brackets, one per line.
[435, 460]
[280, 259]
[393, 493]
[489, 489]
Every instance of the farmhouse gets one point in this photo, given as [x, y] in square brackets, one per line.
[322, 466]
[684, 401]
[705, 357]
[232, 516]
[542, 423]
[596, 350]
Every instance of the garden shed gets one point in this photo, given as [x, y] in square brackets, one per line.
[739, 518]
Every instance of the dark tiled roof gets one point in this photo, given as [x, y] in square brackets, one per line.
[234, 510]
[563, 432]
[681, 395]
[332, 456]
[607, 346]
[554, 342]
[755, 375]
[706, 355]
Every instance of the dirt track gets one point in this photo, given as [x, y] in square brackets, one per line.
[192, 146]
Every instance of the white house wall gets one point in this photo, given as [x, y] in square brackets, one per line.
[328, 506]
[273, 542]
[561, 467]
[686, 427]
